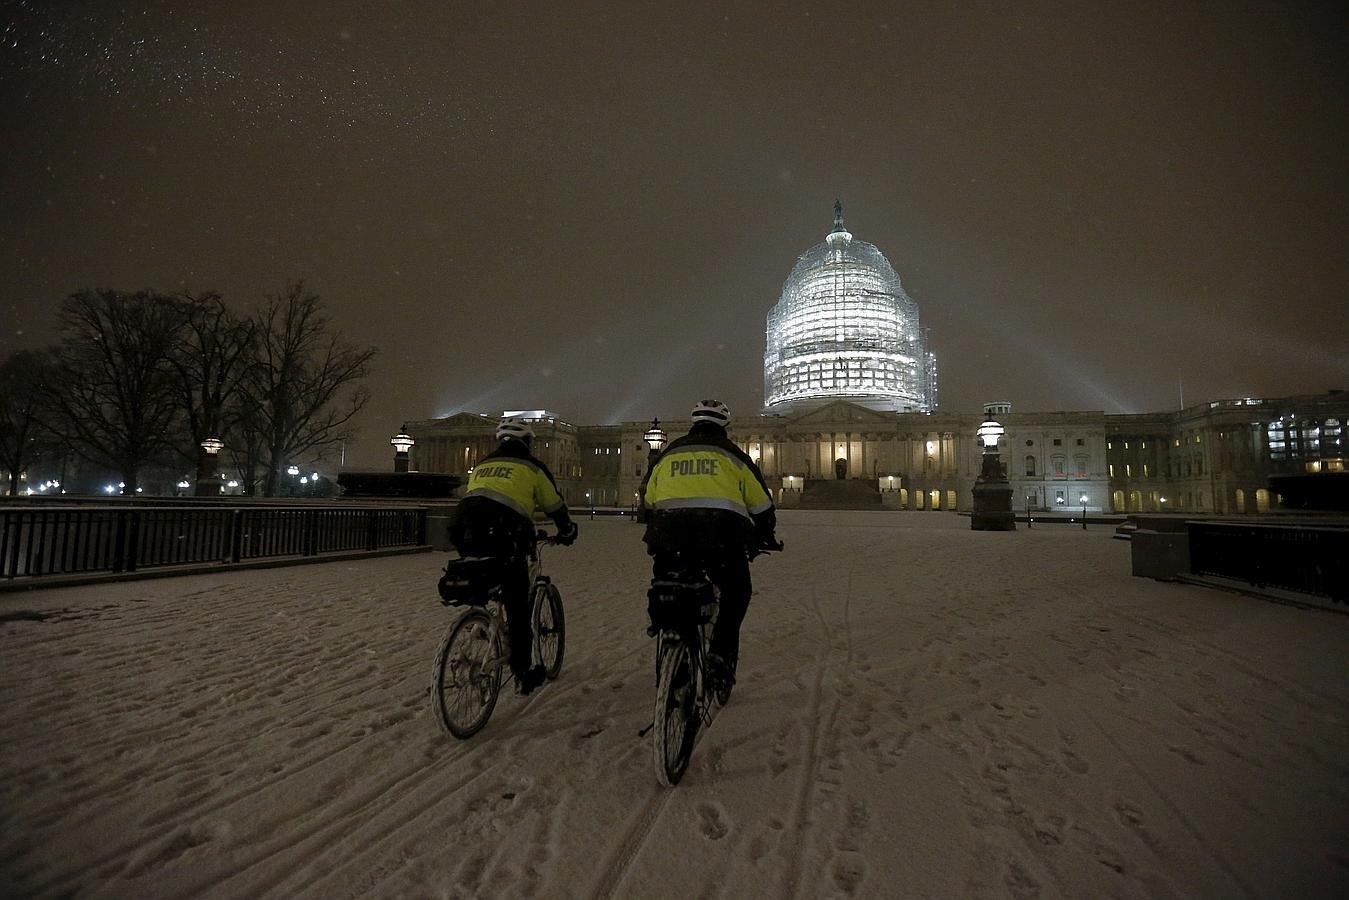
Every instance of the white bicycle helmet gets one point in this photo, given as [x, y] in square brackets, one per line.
[515, 428]
[713, 411]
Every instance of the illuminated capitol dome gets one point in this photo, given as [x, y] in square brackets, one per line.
[845, 330]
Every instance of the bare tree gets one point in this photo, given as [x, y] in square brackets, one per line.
[118, 393]
[27, 380]
[211, 358]
[304, 383]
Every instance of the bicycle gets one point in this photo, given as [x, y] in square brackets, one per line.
[683, 608]
[474, 657]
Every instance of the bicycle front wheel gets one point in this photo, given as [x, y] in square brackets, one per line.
[676, 717]
[467, 676]
[550, 628]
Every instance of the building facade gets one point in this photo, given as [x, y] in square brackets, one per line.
[1216, 457]
[1219, 456]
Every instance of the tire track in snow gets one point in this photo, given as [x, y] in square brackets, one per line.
[616, 867]
[810, 765]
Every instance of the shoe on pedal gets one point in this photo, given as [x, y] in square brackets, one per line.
[721, 677]
[528, 681]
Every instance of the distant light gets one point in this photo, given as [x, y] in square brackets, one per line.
[233, 484]
[314, 477]
[293, 470]
[402, 442]
[304, 480]
[184, 485]
[212, 445]
[110, 489]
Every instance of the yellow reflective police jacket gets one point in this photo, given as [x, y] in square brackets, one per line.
[520, 483]
[697, 472]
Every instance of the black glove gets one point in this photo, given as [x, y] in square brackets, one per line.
[566, 534]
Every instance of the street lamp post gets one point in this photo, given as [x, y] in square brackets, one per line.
[992, 493]
[1083, 498]
[292, 471]
[402, 443]
[208, 478]
[655, 442]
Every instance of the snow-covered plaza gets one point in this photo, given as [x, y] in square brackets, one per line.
[923, 711]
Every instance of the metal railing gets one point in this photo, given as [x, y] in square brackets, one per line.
[1307, 558]
[36, 542]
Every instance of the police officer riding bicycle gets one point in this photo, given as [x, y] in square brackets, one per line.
[709, 509]
[496, 519]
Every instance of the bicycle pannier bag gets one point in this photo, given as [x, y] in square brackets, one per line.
[469, 581]
[675, 604]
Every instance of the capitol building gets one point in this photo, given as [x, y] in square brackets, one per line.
[851, 420]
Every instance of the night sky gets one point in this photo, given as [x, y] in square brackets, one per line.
[592, 208]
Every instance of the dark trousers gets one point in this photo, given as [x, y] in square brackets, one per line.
[486, 528]
[515, 597]
[729, 571]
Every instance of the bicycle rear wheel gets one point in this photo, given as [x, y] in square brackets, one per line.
[675, 717]
[550, 628]
[467, 676]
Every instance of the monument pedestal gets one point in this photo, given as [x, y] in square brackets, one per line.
[992, 498]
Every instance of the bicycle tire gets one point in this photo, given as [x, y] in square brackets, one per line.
[550, 629]
[463, 693]
[675, 715]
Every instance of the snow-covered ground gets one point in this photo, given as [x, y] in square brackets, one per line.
[924, 711]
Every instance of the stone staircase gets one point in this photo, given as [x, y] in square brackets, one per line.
[835, 494]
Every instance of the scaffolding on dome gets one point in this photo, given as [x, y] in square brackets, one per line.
[845, 329]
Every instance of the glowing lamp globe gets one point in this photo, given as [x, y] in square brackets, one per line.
[989, 433]
[213, 445]
[654, 437]
[402, 443]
